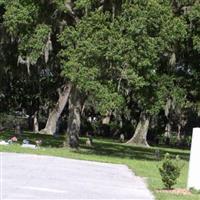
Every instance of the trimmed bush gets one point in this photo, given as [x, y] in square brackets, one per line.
[170, 170]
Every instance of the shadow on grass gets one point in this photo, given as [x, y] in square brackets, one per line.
[100, 147]
[131, 152]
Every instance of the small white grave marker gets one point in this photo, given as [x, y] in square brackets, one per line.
[31, 146]
[3, 142]
[194, 165]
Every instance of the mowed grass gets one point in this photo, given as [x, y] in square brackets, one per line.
[141, 160]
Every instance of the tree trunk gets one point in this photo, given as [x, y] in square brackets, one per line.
[54, 115]
[35, 123]
[74, 118]
[167, 133]
[106, 119]
[105, 124]
[140, 135]
[179, 132]
[168, 130]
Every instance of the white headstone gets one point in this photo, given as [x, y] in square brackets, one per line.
[31, 146]
[3, 142]
[194, 165]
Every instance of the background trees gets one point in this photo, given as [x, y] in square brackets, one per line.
[80, 62]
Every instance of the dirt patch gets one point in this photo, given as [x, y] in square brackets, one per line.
[178, 191]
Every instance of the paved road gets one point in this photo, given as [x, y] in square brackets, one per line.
[27, 177]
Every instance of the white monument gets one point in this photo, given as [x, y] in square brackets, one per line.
[194, 165]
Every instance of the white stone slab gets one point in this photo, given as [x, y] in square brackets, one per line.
[194, 165]
[4, 142]
[32, 146]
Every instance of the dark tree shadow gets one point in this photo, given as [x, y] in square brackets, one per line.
[100, 147]
[131, 152]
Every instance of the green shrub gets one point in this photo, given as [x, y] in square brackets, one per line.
[9, 121]
[194, 191]
[170, 170]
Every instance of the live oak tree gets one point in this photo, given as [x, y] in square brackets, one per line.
[34, 29]
[84, 57]
[146, 39]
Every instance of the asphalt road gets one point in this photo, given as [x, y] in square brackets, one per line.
[26, 177]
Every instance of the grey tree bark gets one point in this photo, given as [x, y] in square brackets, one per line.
[140, 135]
[179, 132]
[106, 118]
[168, 107]
[168, 128]
[54, 115]
[35, 123]
[74, 118]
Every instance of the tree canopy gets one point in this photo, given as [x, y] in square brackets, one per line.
[129, 60]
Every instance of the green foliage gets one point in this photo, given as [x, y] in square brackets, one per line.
[9, 121]
[196, 42]
[170, 171]
[84, 60]
[148, 35]
[194, 14]
[22, 21]
[33, 45]
[194, 191]
[84, 3]
[107, 100]
[19, 15]
[136, 37]
[194, 18]
[2, 2]
[62, 5]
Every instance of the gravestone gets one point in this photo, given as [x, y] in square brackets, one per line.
[31, 146]
[157, 154]
[3, 142]
[73, 141]
[89, 142]
[121, 138]
[194, 165]
[18, 130]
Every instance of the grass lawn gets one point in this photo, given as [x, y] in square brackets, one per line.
[141, 160]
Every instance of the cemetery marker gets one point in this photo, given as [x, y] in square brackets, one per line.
[194, 164]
